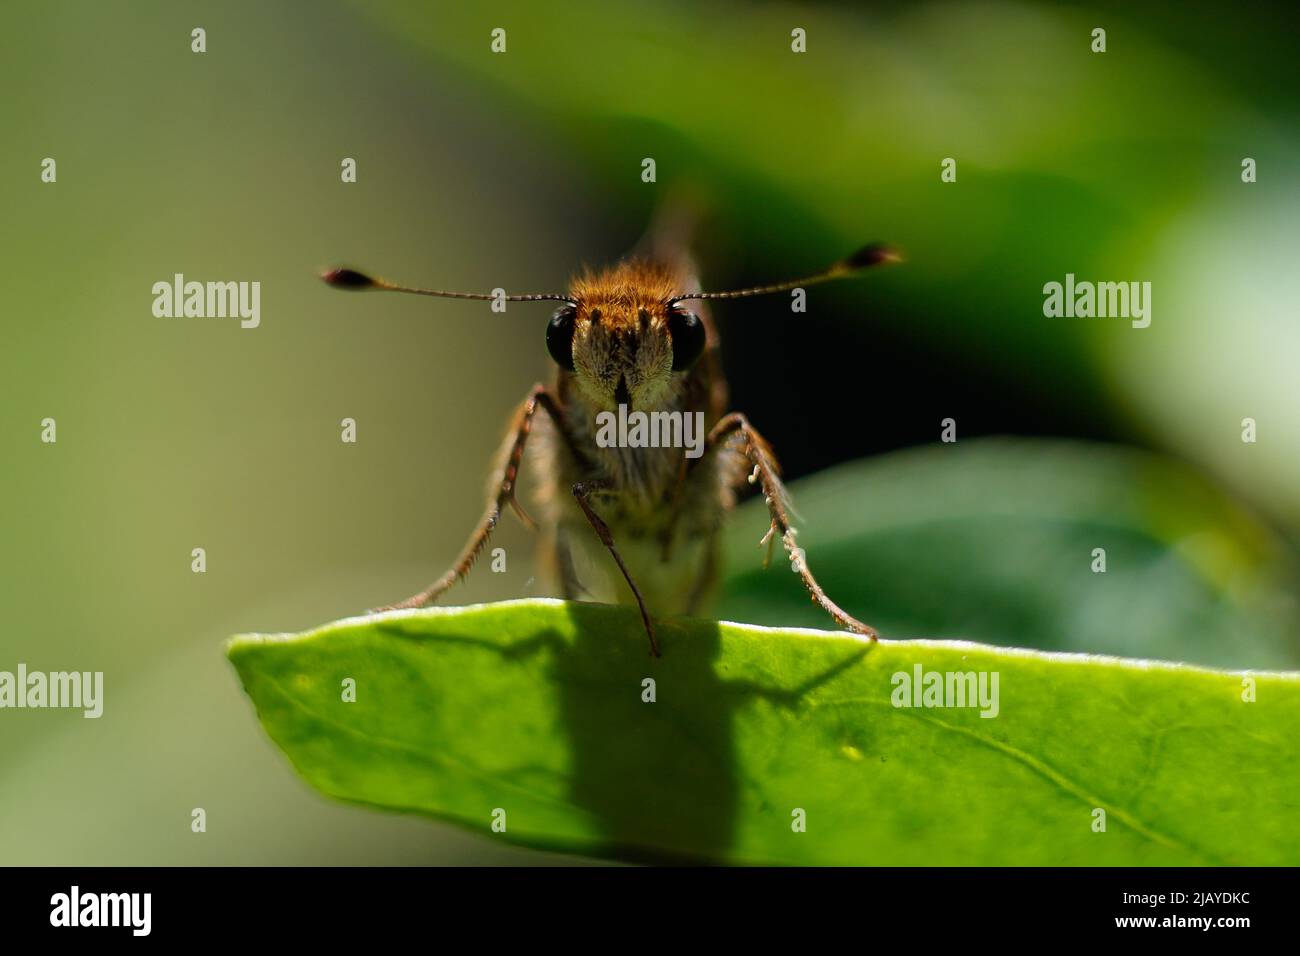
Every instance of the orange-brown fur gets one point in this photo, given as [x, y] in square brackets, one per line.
[664, 510]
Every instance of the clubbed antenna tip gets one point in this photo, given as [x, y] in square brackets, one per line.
[348, 279]
[872, 255]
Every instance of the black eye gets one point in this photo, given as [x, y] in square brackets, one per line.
[559, 336]
[688, 338]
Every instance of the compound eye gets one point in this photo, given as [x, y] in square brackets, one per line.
[687, 332]
[559, 336]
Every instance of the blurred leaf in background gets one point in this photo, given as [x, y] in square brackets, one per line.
[996, 540]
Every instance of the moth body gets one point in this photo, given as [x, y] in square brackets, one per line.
[623, 518]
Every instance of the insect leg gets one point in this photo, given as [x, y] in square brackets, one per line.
[507, 472]
[583, 491]
[759, 454]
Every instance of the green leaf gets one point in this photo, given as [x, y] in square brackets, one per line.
[992, 540]
[535, 707]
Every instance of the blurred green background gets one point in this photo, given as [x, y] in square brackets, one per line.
[478, 170]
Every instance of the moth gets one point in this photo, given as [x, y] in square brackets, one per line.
[634, 335]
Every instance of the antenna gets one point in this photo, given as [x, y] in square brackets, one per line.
[359, 281]
[867, 256]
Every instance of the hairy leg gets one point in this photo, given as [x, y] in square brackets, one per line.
[760, 456]
[507, 473]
